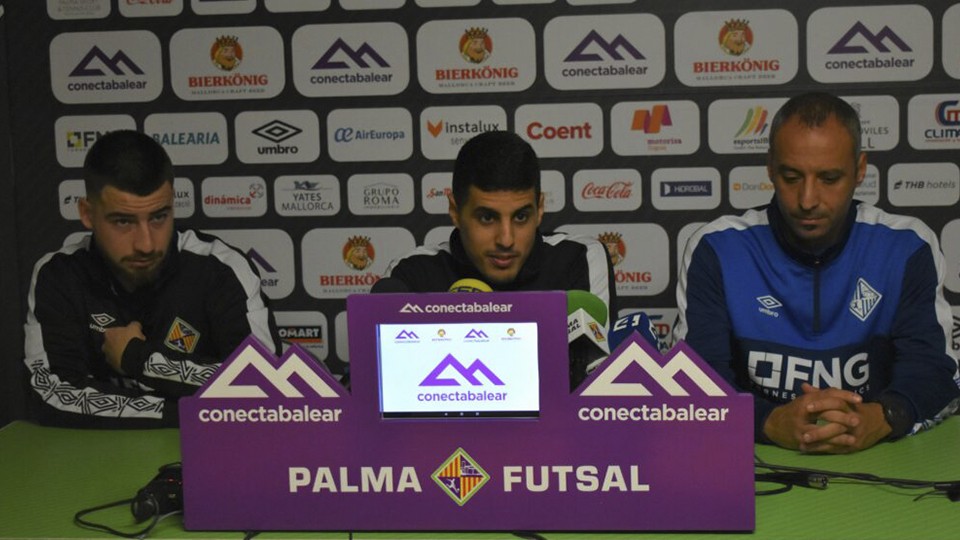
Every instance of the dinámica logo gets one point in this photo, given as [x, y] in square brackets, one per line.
[251, 375]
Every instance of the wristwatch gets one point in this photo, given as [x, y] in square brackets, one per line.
[897, 413]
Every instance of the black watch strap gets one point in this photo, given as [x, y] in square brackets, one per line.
[898, 413]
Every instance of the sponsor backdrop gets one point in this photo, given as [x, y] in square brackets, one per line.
[318, 135]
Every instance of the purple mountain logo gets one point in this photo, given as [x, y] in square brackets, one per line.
[611, 48]
[88, 65]
[878, 41]
[359, 56]
[407, 334]
[476, 334]
[468, 373]
[256, 257]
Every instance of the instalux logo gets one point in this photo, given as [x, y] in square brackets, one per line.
[467, 374]
[612, 382]
[236, 380]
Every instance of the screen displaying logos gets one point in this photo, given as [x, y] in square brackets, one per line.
[462, 370]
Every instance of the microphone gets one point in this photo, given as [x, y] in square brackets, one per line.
[389, 285]
[637, 322]
[586, 334]
[469, 285]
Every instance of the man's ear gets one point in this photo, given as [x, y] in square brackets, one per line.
[540, 209]
[453, 210]
[85, 209]
[861, 167]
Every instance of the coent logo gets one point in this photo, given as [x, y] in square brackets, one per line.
[537, 131]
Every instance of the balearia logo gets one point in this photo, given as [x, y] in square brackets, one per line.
[190, 138]
[460, 477]
[103, 67]
[881, 43]
[351, 59]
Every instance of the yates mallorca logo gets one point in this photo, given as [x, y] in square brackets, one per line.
[865, 300]
[182, 337]
[358, 253]
[460, 477]
[468, 374]
[112, 67]
[616, 248]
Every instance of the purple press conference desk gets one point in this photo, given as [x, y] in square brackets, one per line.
[48, 474]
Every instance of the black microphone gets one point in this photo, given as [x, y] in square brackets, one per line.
[389, 285]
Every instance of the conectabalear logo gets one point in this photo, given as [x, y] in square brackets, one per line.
[468, 374]
[358, 252]
[616, 249]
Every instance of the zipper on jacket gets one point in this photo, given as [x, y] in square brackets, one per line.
[817, 264]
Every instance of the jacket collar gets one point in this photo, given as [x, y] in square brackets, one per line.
[781, 232]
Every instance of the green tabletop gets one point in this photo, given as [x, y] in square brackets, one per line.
[48, 474]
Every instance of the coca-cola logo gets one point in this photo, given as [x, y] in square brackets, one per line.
[614, 190]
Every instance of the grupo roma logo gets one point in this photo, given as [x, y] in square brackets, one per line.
[476, 45]
[226, 53]
[736, 37]
[358, 252]
[616, 249]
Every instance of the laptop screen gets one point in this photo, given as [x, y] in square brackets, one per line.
[458, 370]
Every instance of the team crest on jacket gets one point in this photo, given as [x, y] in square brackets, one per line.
[182, 337]
[865, 299]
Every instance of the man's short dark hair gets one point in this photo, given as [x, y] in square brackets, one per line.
[495, 161]
[126, 160]
[813, 109]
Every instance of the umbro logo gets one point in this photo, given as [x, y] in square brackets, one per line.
[277, 131]
[101, 321]
[768, 304]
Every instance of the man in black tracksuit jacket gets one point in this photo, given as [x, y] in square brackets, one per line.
[128, 320]
[496, 206]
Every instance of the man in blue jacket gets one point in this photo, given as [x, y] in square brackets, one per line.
[830, 311]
